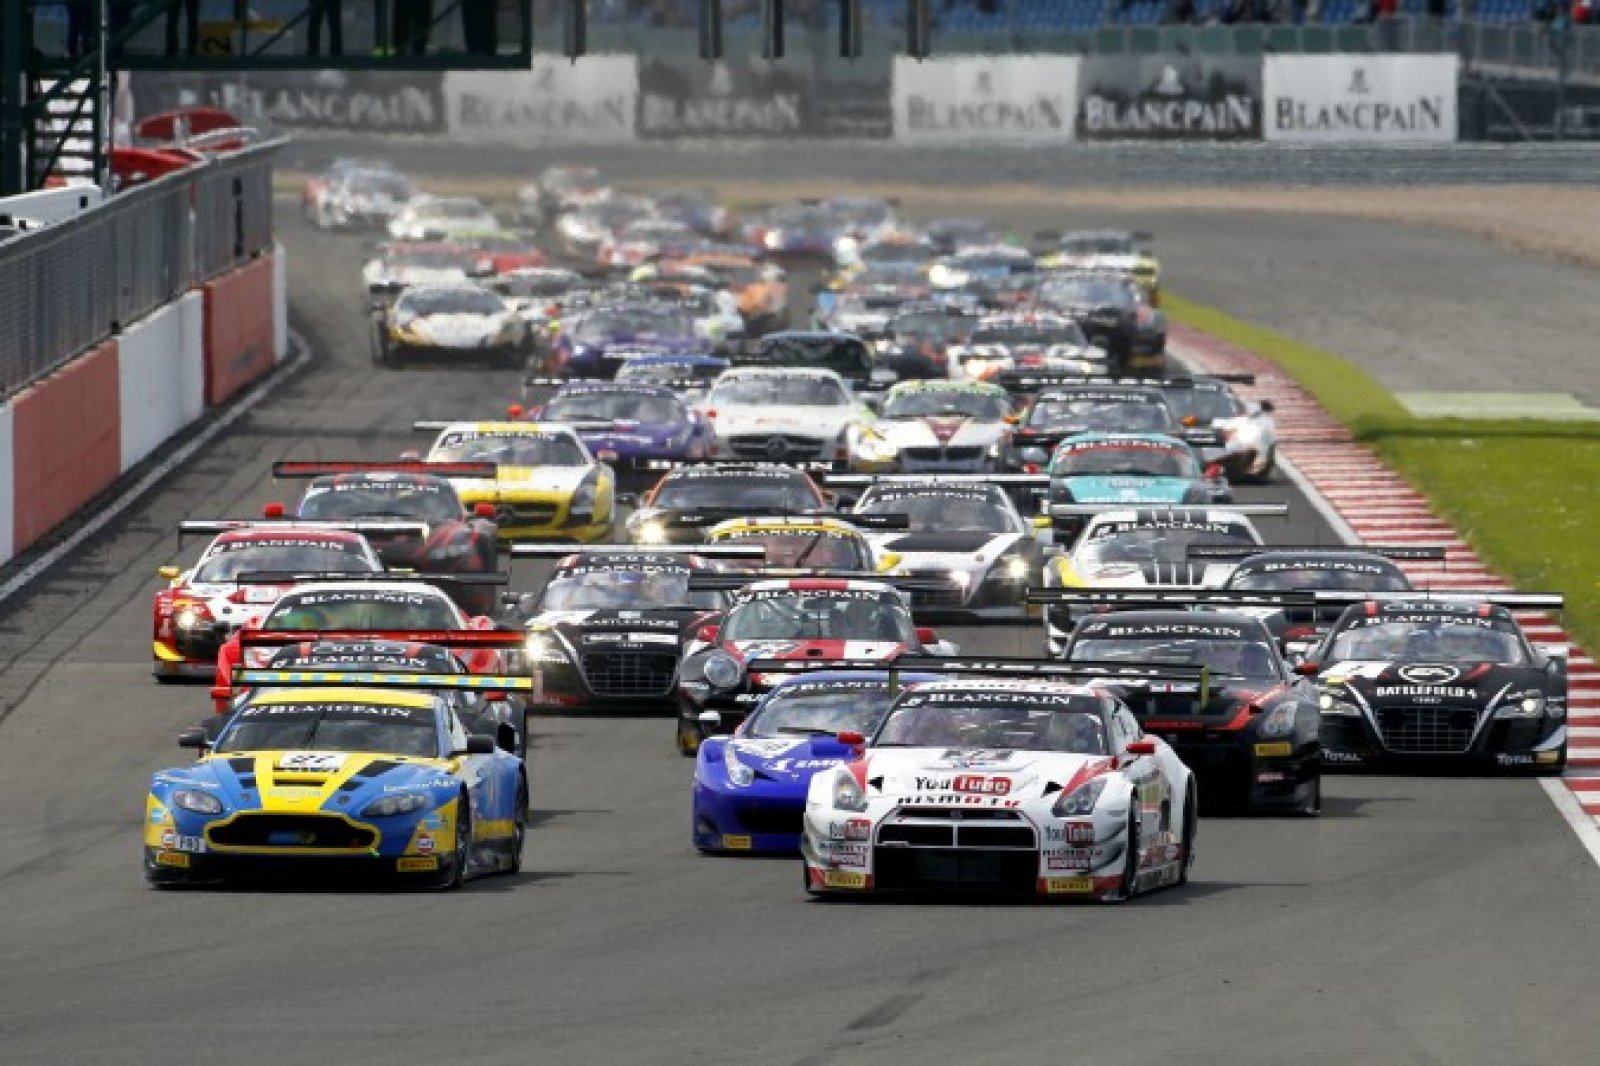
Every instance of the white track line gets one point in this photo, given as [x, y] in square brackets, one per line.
[98, 521]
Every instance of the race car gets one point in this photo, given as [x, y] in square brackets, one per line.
[506, 252]
[863, 619]
[750, 788]
[783, 414]
[378, 606]
[1024, 779]
[934, 426]
[843, 353]
[1061, 410]
[607, 630]
[1133, 468]
[1440, 679]
[565, 188]
[641, 241]
[966, 530]
[547, 484]
[1117, 251]
[722, 490]
[450, 322]
[1030, 341]
[341, 773]
[1115, 314]
[1248, 432]
[792, 231]
[631, 421]
[951, 235]
[442, 536]
[400, 265]
[1251, 733]
[916, 341]
[762, 289]
[804, 542]
[442, 218]
[992, 263]
[695, 208]
[1132, 547]
[581, 232]
[594, 342]
[688, 375]
[239, 576]
[356, 198]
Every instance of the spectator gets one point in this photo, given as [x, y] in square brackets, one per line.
[331, 12]
[190, 9]
[413, 24]
[480, 27]
[80, 20]
[1181, 11]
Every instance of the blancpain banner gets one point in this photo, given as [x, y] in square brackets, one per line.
[1371, 99]
[556, 101]
[974, 99]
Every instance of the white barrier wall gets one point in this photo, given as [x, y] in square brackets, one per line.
[985, 99]
[280, 304]
[1397, 99]
[7, 486]
[161, 376]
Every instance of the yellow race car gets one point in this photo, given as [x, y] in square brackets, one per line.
[804, 543]
[547, 485]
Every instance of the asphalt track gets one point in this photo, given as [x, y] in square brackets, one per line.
[1430, 920]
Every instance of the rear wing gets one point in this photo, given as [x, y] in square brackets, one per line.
[710, 551]
[375, 679]
[1029, 480]
[733, 464]
[733, 580]
[436, 426]
[1193, 510]
[713, 516]
[213, 526]
[1387, 551]
[289, 577]
[445, 638]
[1186, 596]
[308, 469]
[1023, 381]
[1148, 677]
[1196, 436]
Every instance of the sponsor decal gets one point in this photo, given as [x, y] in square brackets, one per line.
[1505, 758]
[424, 843]
[736, 843]
[592, 102]
[969, 99]
[1435, 692]
[357, 101]
[1329, 755]
[172, 858]
[1068, 859]
[970, 783]
[787, 766]
[1274, 750]
[849, 854]
[843, 879]
[1066, 885]
[1429, 673]
[312, 762]
[1367, 98]
[417, 864]
[1170, 97]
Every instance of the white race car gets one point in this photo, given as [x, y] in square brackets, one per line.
[1029, 341]
[451, 321]
[782, 414]
[935, 426]
[442, 218]
[1035, 787]
[358, 198]
[400, 265]
[1248, 429]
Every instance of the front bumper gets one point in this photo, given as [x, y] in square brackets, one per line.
[750, 819]
[398, 350]
[168, 866]
[541, 518]
[1243, 773]
[1538, 745]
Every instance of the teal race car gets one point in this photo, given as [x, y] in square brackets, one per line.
[1133, 468]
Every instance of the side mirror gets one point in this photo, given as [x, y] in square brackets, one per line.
[851, 738]
[272, 510]
[1141, 747]
[168, 573]
[483, 510]
[194, 738]
[1308, 668]
[706, 634]
[478, 744]
[926, 635]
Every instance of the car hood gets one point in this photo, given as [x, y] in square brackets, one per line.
[557, 480]
[1395, 684]
[935, 430]
[966, 544]
[791, 760]
[973, 776]
[343, 782]
[801, 421]
[858, 650]
[1100, 488]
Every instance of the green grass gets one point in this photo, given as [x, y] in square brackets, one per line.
[1524, 493]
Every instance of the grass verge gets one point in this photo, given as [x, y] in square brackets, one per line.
[1524, 493]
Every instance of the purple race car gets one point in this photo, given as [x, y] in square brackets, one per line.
[599, 340]
[643, 421]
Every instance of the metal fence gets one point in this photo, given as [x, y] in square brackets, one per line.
[71, 285]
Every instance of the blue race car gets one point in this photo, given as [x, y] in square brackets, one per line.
[599, 340]
[362, 773]
[1133, 468]
[643, 421]
[750, 788]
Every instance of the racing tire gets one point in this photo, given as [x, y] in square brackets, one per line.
[1191, 829]
[458, 873]
[519, 831]
[167, 679]
[1312, 807]
[1130, 874]
[688, 743]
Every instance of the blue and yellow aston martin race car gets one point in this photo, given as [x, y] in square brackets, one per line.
[345, 773]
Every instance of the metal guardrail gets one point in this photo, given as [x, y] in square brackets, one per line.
[69, 286]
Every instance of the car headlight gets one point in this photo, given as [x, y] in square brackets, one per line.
[1530, 706]
[187, 618]
[722, 670]
[1015, 568]
[543, 648]
[848, 795]
[1279, 722]
[651, 532]
[1033, 455]
[400, 803]
[1334, 705]
[583, 499]
[1081, 800]
[739, 773]
[196, 801]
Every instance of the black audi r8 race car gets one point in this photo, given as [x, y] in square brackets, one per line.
[608, 629]
[726, 489]
[1252, 737]
[451, 539]
[1442, 680]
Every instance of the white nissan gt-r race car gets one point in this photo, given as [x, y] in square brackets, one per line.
[1035, 787]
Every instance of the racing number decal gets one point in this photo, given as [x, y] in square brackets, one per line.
[312, 762]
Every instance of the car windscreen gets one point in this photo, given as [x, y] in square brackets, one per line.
[452, 209]
[1203, 405]
[331, 727]
[941, 510]
[971, 403]
[755, 493]
[1096, 292]
[361, 610]
[934, 326]
[1224, 657]
[820, 616]
[602, 327]
[819, 709]
[434, 502]
[1103, 415]
[623, 406]
[602, 589]
[510, 449]
[772, 390]
[1099, 244]
[225, 561]
[1030, 336]
[1431, 640]
[429, 259]
[1127, 459]
[996, 722]
[1162, 542]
